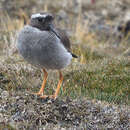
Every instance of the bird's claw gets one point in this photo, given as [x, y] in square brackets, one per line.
[38, 94]
[48, 96]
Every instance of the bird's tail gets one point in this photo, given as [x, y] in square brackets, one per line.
[73, 55]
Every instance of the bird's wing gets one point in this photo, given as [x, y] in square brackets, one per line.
[65, 40]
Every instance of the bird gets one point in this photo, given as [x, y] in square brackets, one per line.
[45, 46]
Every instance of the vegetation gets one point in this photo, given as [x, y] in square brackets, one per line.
[98, 73]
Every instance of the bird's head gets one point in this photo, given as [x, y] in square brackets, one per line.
[42, 21]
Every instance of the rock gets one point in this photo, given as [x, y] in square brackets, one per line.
[4, 95]
[124, 28]
[127, 52]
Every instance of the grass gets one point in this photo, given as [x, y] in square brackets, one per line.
[99, 73]
[109, 83]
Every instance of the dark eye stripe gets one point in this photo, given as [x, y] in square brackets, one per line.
[40, 19]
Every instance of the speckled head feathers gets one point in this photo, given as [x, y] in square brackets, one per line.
[41, 20]
[43, 15]
[38, 15]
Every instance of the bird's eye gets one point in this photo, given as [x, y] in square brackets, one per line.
[40, 19]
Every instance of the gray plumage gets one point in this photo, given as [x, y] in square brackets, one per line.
[43, 45]
[42, 48]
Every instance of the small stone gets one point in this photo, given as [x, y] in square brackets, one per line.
[12, 124]
[4, 95]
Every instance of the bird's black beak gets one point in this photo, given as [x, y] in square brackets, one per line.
[51, 27]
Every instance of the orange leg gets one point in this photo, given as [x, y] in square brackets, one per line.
[58, 88]
[59, 84]
[43, 83]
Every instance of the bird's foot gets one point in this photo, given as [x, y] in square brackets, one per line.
[44, 96]
[38, 93]
[48, 96]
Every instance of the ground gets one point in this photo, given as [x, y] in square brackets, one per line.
[96, 86]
